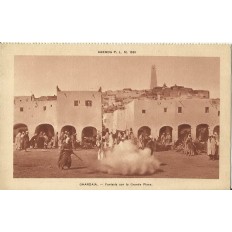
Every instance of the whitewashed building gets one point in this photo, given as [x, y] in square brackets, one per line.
[173, 115]
[74, 111]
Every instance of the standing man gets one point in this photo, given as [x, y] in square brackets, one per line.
[217, 144]
[213, 147]
[56, 140]
[73, 139]
[33, 140]
[162, 138]
[45, 140]
[22, 141]
[17, 141]
[150, 144]
[141, 141]
[26, 141]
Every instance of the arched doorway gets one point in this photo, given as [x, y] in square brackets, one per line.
[45, 128]
[202, 132]
[44, 133]
[166, 133]
[145, 130]
[217, 130]
[19, 127]
[68, 128]
[183, 131]
[88, 137]
[89, 132]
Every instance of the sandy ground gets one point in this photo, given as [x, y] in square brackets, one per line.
[43, 164]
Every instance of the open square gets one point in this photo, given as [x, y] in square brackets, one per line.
[43, 164]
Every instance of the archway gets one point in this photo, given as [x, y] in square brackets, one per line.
[145, 130]
[217, 130]
[166, 132]
[19, 127]
[89, 136]
[183, 131]
[68, 128]
[45, 128]
[202, 132]
[89, 132]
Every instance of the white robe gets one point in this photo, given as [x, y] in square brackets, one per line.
[17, 141]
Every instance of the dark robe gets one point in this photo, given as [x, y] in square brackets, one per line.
[25, 141]
[150, 145]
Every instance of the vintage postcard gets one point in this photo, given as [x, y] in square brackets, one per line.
[115, 116]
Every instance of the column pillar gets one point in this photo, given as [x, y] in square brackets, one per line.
[79, 134]
[153, 132]
[31, 130]
[210, 128]
[175, 134]
[194, 132]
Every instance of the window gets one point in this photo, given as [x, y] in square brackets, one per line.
[44, 108]
[51, 105]
[165, 110]
[21, 109]
[206, 109]
[143, 111]
[76, 103]
[219, 113]
[88, 103]
[179, 110]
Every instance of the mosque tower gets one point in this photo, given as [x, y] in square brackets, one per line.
[153, 77]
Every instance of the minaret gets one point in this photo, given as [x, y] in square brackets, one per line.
[153, 77]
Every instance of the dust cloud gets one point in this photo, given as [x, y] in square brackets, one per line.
[126, 159]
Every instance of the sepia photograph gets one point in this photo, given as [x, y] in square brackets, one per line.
[116, 117]
[119, 98]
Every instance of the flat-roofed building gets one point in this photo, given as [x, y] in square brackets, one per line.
[172, 116]
[74, 111]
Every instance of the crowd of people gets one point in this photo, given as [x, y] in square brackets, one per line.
[165, 139]
[192, 147]
[22, 140]
[107, 140]
[43, 141]
[188, 146]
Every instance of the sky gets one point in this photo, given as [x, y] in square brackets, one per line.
[39, 75]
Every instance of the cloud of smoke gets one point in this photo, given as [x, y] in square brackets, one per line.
[126, 159]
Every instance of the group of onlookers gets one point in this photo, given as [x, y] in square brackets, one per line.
[66, 137]
[213, 146]
[165, 138]
[41, 140]
[192, 147]
[108, 139]
[146, 141]
[22, 140]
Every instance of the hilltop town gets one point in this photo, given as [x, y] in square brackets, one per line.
[117, 99]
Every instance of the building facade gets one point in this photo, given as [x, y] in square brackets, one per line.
[157, 110]
[172, 116]
[74, 111]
